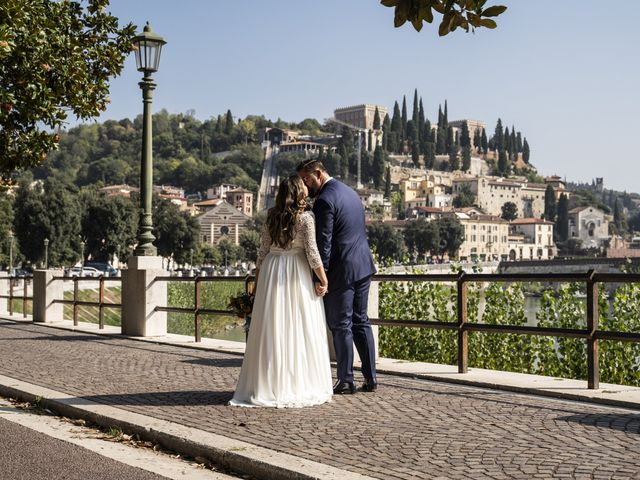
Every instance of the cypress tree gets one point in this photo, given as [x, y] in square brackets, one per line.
[550, 206]
[377, 167]
[562, 221]
[514, 141]
[376, 120]
[454, 163]
[369, 140]
[415, 116]
[465, 140]
[440, 117]
[477, 141]
[503, 163]
[396, 129]
[519, 142]
[450, 140]
[498, 136]
[412, 139]
[430, 155]
[441, 141]
[228, 124]
[386, 131]
[466, 158]
[387, 182]
[525, 151]
[219, 124]
[618, 216]
[483, 139]
[507, 140]
[445, 118]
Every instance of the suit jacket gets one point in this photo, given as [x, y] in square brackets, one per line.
[341, 235]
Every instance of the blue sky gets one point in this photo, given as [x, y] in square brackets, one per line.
[566, 73]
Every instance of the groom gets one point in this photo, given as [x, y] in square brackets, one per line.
[345, 253]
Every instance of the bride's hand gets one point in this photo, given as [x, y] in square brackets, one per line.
[321, 290]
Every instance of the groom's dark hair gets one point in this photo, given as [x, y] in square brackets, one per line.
[310, 165]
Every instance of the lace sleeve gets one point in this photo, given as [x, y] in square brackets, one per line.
[265, 243]
[307, 227]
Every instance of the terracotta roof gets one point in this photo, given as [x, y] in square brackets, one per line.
[211, 202]
[530, 221]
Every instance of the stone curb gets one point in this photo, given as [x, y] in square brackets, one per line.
[239, 456]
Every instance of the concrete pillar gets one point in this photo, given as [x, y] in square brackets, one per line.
[45, 291]
[141, 294]
[4, 290]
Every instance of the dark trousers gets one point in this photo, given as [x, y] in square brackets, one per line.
[346, 310]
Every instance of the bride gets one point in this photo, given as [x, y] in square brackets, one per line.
[286, 361]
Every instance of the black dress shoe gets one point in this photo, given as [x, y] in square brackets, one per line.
[342, 388]
[369, 386]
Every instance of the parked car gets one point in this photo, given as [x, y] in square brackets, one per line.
[83, 271]
[22, 272]
[106, 269]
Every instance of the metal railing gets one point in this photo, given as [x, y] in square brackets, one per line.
[591, 333]
[101, 304]
[197, 309]
[24, 297]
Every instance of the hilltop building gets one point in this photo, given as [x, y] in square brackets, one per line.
[590, 225]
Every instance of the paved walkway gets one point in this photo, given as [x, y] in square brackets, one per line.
[410, 428]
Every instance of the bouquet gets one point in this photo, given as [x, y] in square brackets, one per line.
[241, 304]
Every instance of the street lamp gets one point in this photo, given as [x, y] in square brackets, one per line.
[11, 254]
[82, 258]
[148, 47]
[191, 258]
[46, 254]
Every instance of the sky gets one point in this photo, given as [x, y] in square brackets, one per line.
[565, 73]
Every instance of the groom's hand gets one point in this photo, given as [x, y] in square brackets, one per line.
[321, 290]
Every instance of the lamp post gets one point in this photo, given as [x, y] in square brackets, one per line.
[148, 46]
[10, 254]
[46, 254]
[82, 258]
[191, 258]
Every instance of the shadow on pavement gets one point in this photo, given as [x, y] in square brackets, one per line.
[162, 399]
[216, 362]
[628, 423]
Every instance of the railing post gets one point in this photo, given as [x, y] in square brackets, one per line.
[75, 301]
[4, 290]
[101, 300]
[197, 309]
[593, 360]
[11, 296]
[463, 334]
[24, 297]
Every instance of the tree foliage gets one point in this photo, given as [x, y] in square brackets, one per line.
[509, 211]
[55, 58]
[388, 242]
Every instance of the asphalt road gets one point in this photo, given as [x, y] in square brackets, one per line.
[28, 455]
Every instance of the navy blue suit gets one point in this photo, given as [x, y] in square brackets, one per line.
[345, 253]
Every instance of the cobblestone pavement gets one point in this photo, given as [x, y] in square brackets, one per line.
[408, 429]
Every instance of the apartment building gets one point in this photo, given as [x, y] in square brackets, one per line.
[493, 192]
[531, 239]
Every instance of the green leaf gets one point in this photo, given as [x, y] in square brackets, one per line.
[488, 23]
[493, 11]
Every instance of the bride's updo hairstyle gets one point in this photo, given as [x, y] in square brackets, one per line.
[291, 201]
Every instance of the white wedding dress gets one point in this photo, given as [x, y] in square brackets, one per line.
[286, 360]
